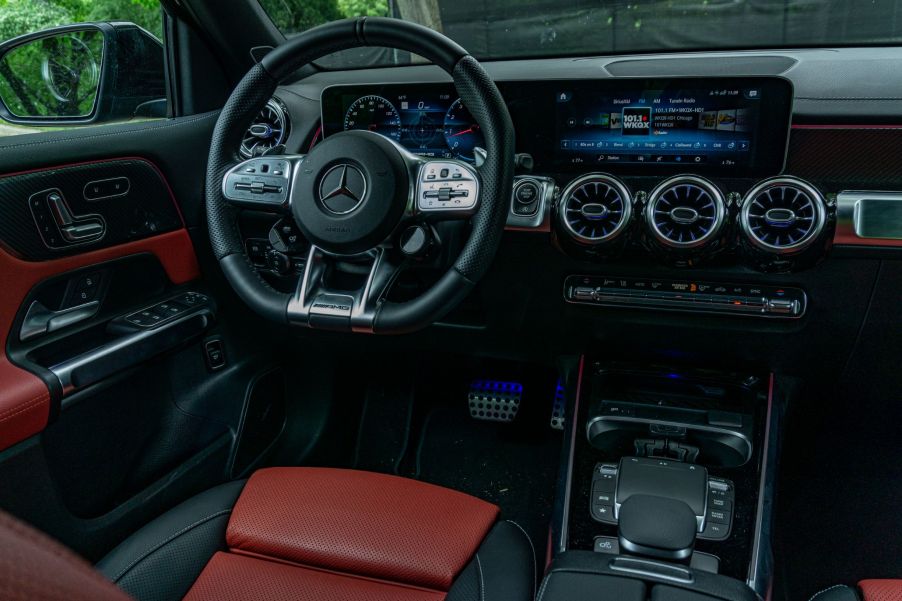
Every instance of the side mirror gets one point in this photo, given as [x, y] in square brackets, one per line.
[81, 74]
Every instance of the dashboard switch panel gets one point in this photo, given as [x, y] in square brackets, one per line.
[687, 296]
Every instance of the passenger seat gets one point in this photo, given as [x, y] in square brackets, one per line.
[868, 590]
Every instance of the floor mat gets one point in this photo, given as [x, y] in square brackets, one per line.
[513, 465]
[384, 430]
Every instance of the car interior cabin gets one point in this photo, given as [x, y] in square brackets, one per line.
[424, 300]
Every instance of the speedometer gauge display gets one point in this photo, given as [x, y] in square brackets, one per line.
[376, 114]
[462, 133]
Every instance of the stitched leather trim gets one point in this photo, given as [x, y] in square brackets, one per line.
[166, 541]
[535, 559]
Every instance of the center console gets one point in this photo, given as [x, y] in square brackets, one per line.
[665, 485]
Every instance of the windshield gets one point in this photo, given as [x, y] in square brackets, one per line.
[496, 29]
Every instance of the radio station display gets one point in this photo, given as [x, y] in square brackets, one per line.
[677, 125]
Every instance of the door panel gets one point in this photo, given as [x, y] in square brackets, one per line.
[144, 417]
[24, 398]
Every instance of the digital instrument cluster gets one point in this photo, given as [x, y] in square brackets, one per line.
[429, 121]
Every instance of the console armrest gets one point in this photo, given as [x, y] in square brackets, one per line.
[573, 572]
[581, 586]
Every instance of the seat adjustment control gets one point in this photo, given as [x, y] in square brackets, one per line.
[58, 226]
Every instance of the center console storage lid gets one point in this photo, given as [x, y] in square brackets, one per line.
[575, 571]
[581, 586]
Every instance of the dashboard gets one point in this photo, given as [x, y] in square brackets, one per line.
[710, 125]
[736, 178]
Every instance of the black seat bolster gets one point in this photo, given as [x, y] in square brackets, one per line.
[162, 560]
[839, 592]
[503, 568]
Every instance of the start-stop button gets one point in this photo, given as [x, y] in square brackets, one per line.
[527, 193]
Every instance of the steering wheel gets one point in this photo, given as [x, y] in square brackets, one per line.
[355, 194]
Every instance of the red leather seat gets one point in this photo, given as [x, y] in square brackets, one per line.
[309, 533]
[868, 590]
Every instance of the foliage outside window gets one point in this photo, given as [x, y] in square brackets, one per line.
[18, 17]
[294, 16]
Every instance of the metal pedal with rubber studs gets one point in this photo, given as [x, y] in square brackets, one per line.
[494, 400]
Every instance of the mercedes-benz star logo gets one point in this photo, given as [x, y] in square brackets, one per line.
[342, 189]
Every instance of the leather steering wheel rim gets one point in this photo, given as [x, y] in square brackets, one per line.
[477, 92]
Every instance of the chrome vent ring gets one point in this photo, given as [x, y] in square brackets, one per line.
[783, 215]
[595, 208]
[268, 129]
[685, 212]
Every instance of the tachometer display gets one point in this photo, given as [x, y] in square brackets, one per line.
[374, 113]
[462, 133]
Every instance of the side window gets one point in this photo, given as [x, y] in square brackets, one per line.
[71, 63]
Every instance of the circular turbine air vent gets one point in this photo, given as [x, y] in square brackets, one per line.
[783, 215]
[685, 212]
[595, 208]
[269, 129]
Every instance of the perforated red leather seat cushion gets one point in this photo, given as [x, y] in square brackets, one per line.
[360, 523]
[232, 577]
[881, 590]
[35, 568]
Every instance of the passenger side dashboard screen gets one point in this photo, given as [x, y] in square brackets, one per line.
[679, 125]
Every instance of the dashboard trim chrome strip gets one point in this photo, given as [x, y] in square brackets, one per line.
[848, 216]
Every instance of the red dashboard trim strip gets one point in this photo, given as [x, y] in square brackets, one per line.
[850, 126]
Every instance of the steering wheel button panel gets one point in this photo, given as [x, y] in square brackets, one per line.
[259, 180]
[447, 186]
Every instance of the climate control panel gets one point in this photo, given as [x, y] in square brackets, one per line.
[687, 296]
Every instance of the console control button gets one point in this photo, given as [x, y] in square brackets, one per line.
[603, 513]
[602, 497]
[607, 544]
[715, 531]
[721, 485]
[718, 515]
[716, 502]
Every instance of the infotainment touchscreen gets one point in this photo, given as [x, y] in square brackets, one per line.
[737, 125]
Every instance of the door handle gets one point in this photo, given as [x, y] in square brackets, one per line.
[40, 320]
